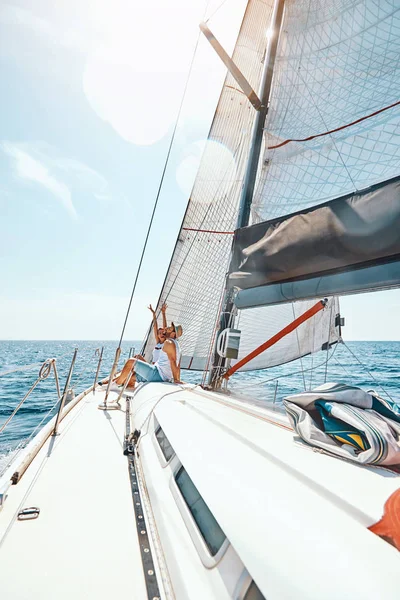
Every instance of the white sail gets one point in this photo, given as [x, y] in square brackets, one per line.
[195, 280]
[316, 90]
[260, 324]
[337, 62]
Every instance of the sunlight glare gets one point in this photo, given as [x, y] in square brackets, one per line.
[135, 79]
[219, 170]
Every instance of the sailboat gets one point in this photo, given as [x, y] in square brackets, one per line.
[193, 491]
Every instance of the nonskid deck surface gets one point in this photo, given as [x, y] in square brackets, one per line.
[84, 543]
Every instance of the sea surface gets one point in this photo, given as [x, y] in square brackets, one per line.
[370, 365]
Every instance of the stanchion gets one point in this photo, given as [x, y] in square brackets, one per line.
[112, 405]
[100, 355]
[62, 402]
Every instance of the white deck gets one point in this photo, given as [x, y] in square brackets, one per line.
[295, 520]
[84, 543]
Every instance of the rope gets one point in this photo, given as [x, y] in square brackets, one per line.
[31, 366]
[329, 329]
[88, 364]
[369, 373]
[159, 188]
[318, 135]
[328, 133]
[277, 377]
[215, 11]
[23, 368]
[298, 346]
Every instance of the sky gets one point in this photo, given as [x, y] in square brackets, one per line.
[90, 95]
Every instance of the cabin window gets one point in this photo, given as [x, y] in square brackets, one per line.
[211, 532]
[163, 442]
[253, 593]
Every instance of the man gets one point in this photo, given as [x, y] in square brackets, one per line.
[159, 334]
[167, 367]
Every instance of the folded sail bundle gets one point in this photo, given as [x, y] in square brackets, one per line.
[347, 245]
[348, 422]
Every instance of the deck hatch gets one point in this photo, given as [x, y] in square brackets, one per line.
[163, 442]
[211, 532]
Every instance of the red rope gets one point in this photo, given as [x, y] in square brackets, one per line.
[208, 231]
[312, 137]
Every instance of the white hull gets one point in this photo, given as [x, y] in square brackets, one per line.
[295, 519]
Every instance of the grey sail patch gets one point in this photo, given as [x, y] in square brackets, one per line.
[350, 233]
[378, 277]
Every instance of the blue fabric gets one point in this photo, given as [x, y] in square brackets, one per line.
[386, 408]
[339, 430]
[147, 372]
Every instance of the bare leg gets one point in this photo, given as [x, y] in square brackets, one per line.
[125, 372]
[132, 381]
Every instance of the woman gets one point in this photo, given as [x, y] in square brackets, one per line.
[159, 334]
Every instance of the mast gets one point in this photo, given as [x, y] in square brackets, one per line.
[246, 197]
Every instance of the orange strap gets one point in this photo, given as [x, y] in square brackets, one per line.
[275, 338]
[388, 527]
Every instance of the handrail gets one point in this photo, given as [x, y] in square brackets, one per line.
[88, 364]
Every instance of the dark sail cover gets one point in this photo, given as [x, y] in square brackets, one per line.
[352, 232]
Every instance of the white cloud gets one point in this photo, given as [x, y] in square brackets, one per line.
[31, 169]
[49, 31]
[39, 163]
[16, 15]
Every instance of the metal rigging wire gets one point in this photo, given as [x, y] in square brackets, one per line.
[160, 186]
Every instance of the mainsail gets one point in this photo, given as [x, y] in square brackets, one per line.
[331, 141]
[332, 132]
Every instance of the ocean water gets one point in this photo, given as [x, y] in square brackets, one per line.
[370, 365]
